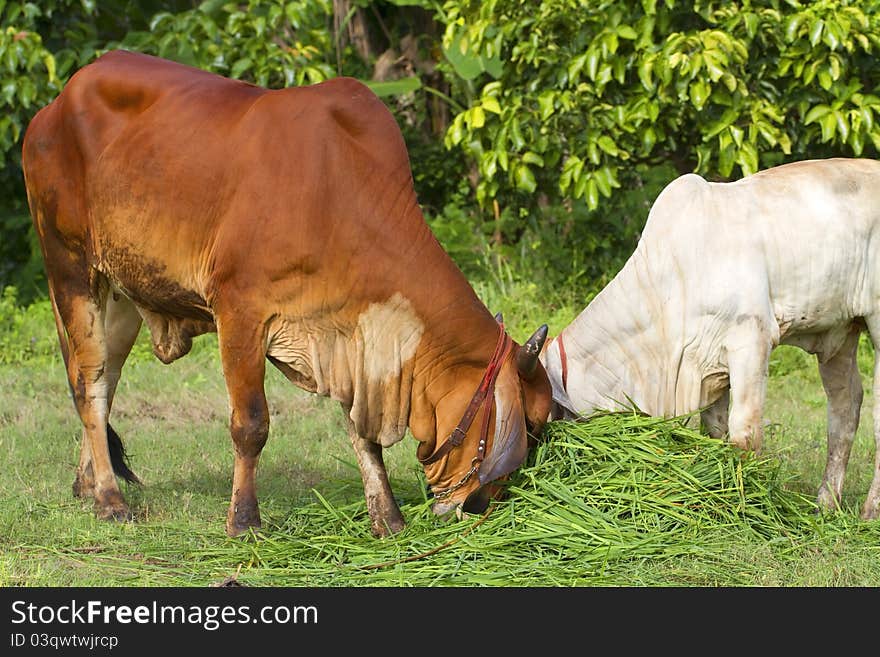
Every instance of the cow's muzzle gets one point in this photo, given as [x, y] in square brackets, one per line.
[510, 453]
[477, 501]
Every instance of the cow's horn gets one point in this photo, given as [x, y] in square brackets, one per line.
[527, 355]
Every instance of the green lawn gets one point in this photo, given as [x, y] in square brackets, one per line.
[173, 419]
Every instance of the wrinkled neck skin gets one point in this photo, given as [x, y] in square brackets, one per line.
[457, 337]
[450, 363]
[626, 349]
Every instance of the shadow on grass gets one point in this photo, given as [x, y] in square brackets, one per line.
[281, 487]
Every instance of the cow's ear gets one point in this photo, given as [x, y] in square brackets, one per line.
[510, 442]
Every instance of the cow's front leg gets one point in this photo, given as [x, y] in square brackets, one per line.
[385, 515]
[748, 359]
[242, 352]
[843, 387]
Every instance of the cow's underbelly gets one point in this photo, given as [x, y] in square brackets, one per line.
[154, 282]
[819, 325]
[812, 318]
[824, 344]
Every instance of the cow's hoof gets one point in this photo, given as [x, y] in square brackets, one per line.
[385, 516]
[387, 526]
[234, 530]
[242, 516]
[739, 443]
[742, 443]
[110, 505]
[827, 501]
[114, 512]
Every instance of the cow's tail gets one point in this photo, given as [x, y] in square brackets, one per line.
[118, 455]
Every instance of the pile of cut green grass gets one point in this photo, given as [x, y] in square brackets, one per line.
[596, 499]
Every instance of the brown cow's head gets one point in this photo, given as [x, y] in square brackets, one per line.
[465, 478]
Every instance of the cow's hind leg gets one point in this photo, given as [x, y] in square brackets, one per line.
[385, 515]
[121, 325]
[871, 508]
[79, 298]
[243, 355]
[843, 387]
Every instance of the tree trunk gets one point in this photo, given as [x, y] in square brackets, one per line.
[352, 29]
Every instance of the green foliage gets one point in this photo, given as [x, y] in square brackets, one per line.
[274, 43]
[41, 45]
[23, 63]
[551, 126]
[588, 90]
[27, 334]
[562, 254]
[29, 79]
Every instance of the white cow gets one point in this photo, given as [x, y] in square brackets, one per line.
[723, 273]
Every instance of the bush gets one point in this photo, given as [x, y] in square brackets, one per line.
[570, 95]
[539, 131]
[27, 333]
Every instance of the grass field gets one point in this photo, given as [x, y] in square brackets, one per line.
[584, 512]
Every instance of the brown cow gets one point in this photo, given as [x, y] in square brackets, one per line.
[286, 221]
